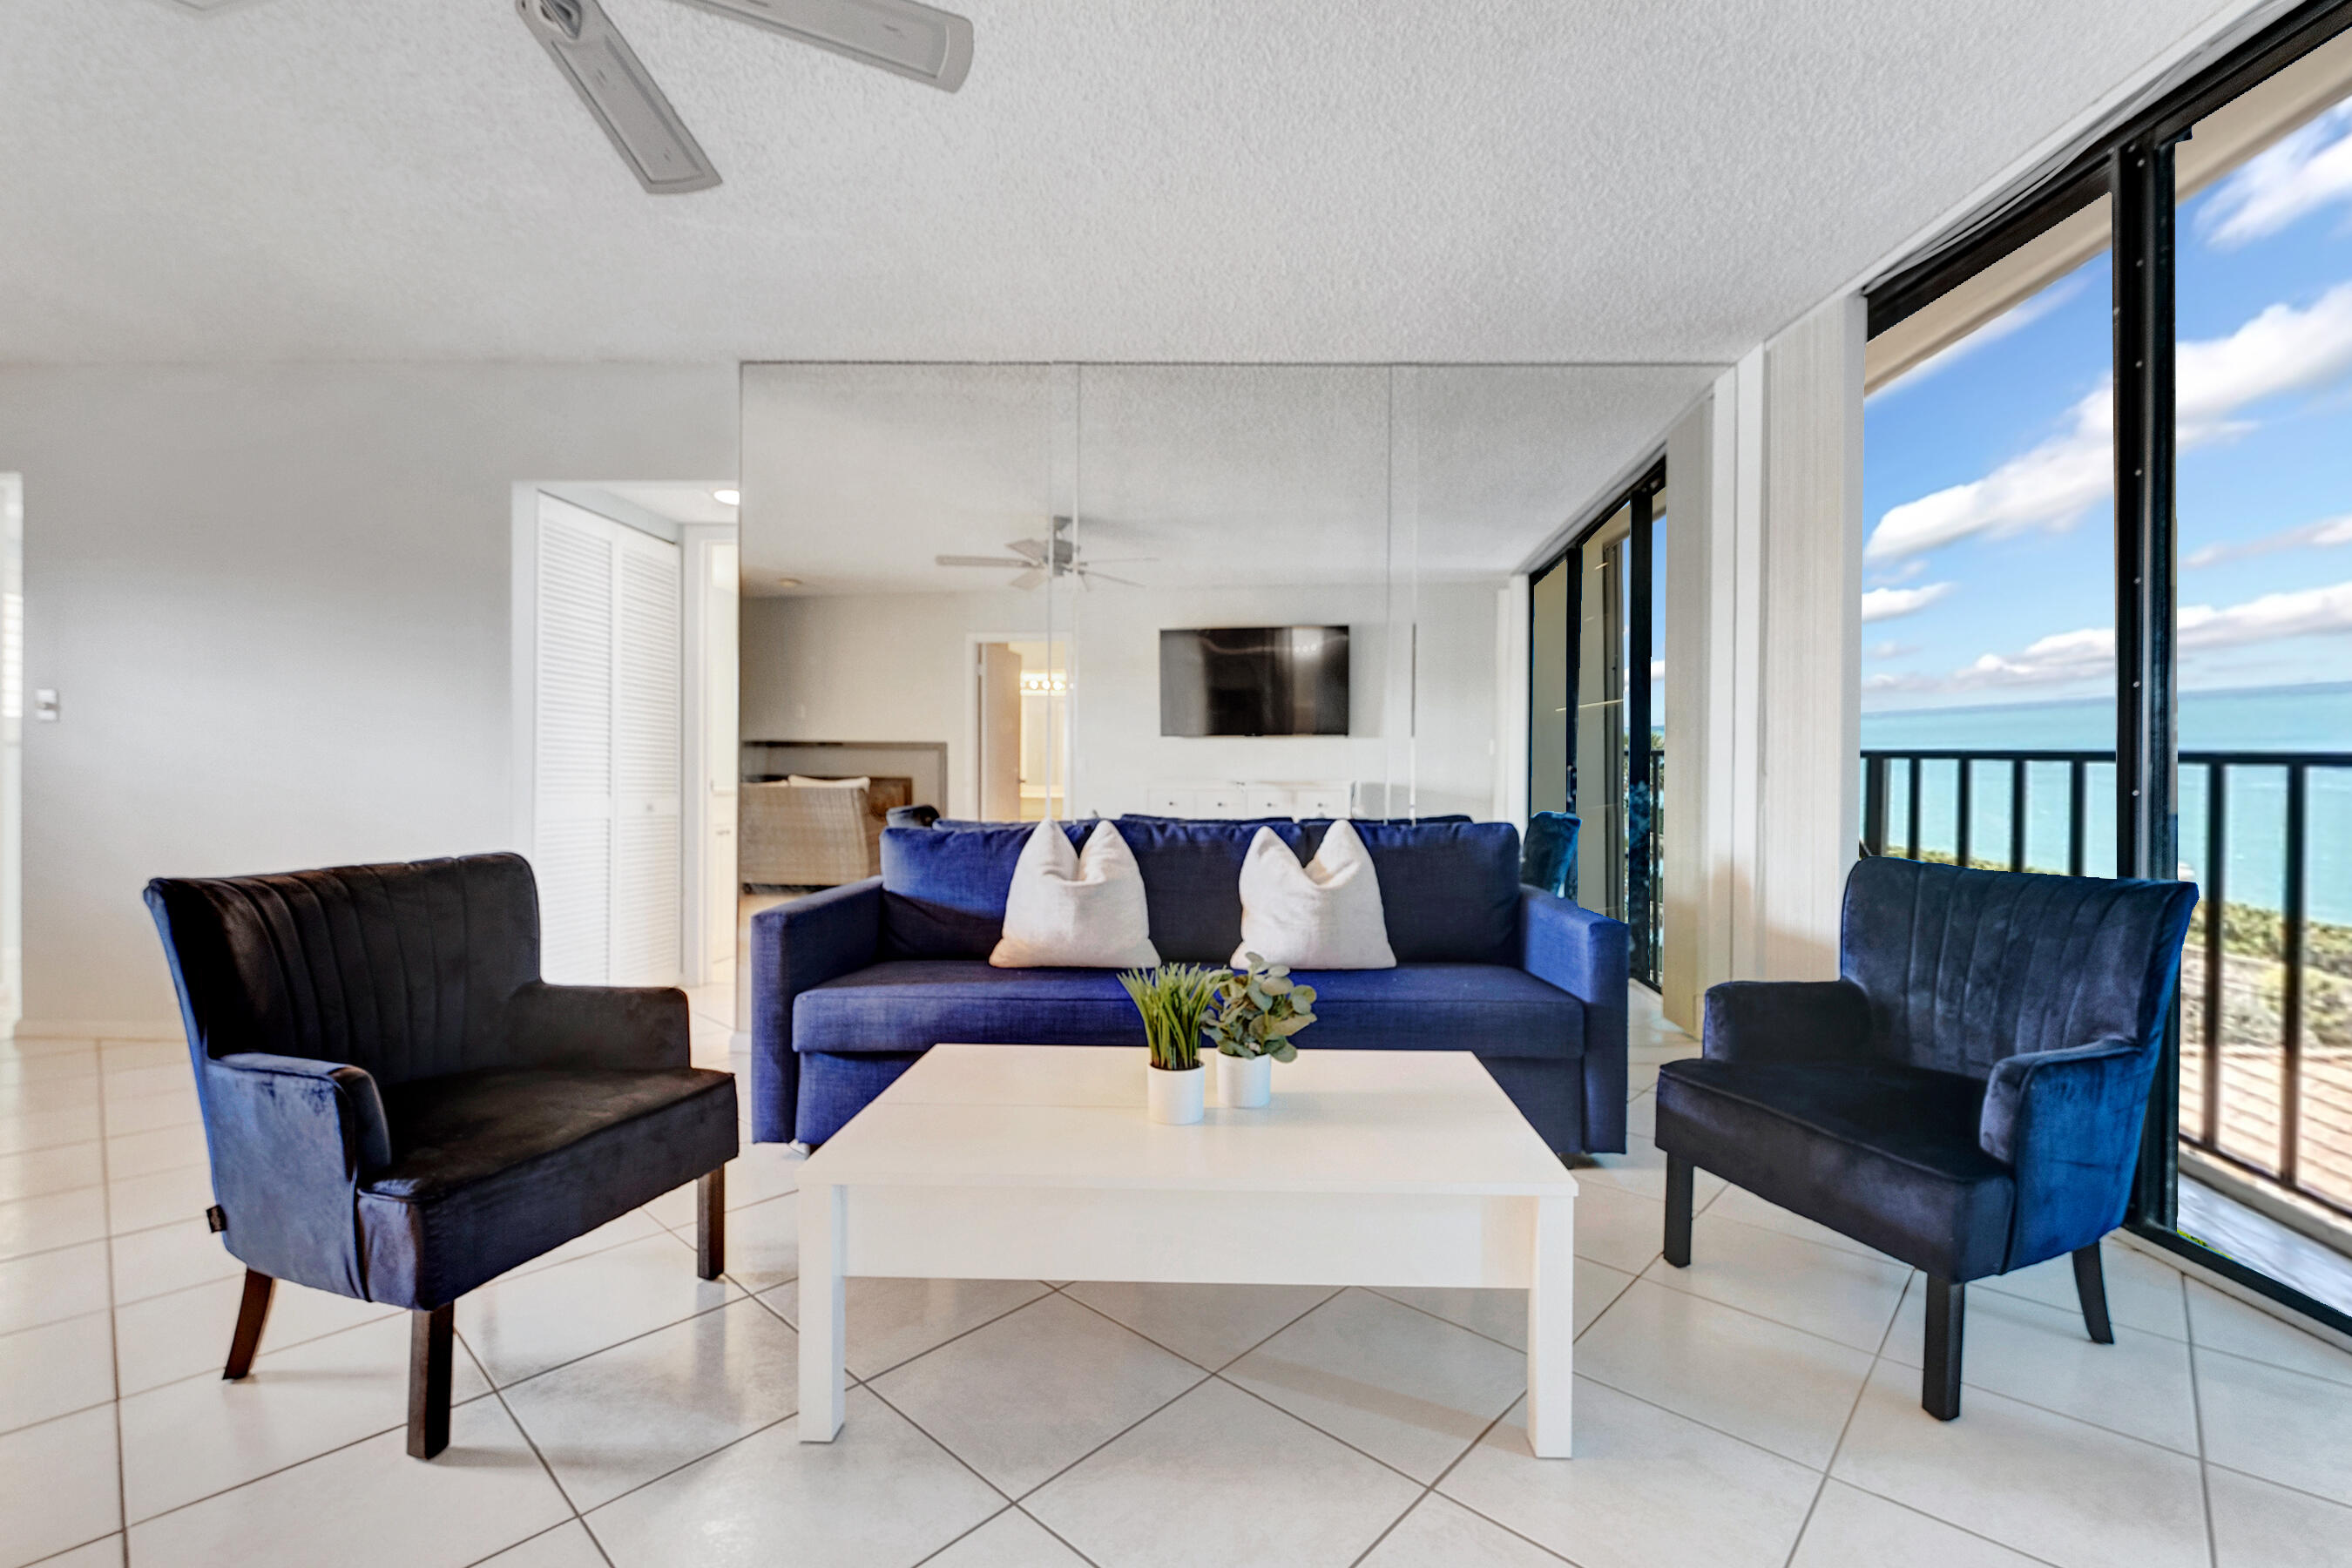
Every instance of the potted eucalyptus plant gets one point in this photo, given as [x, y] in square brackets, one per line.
[1255, 1013]
[1174, 999]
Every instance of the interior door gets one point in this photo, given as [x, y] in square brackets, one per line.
[999, 673]
[606, 749]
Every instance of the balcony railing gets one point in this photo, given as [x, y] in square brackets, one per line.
[2266, 988]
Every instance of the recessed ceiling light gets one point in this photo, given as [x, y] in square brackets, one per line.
[788, 582]
[728, 497]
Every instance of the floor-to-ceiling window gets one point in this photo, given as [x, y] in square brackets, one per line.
[2080, 662]
[1596, 709]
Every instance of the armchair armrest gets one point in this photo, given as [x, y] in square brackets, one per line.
[290, 1138]
[599, 1026]
[1585, 954]
[2068, 1123]
[1786, 1020]
[794, 947]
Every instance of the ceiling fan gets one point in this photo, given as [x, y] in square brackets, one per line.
[930, 46]
[1036, 560]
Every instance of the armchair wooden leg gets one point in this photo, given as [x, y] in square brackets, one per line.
[1679, 1211]
[2091, 1289]
[710, 1225]
[1939, 1386]
[251, 1313]
[428, 1381]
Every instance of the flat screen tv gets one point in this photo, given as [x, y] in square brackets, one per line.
[1253, 680]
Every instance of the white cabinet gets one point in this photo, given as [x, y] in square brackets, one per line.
[1244, 799]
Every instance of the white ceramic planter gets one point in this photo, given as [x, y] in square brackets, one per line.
[1244, 1083]
[1173, 1097]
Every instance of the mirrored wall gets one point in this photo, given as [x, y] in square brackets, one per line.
[1010, 592]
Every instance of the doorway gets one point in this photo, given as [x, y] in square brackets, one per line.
[1020, 736]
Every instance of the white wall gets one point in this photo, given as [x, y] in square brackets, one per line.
[894, 668]
[274, 600]
[1762, 667]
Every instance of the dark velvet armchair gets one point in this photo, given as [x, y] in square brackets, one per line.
[398, 1109]
[1967, 1098]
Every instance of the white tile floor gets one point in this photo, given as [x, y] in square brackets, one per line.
[1762, 1408]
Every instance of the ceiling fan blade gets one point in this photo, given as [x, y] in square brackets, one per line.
[1030, 578]
[1000, 560]
[619, 91]
[1087, 574]
[1033, 550]
[929, 46]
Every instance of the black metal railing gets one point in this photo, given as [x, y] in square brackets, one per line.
[2266, 1009]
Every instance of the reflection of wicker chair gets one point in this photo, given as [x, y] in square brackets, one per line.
[796, 835]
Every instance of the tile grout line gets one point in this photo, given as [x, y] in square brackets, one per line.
[2196, 1408]
[1845, 1428]
[113, 1333]
[537, 1453]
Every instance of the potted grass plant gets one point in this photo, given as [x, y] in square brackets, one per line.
[1174, 999]
[1253, 1015]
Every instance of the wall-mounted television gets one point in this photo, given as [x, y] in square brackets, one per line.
[1253, 680]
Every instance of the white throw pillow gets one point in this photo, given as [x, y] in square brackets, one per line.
[1079, 911]
[1325, 914]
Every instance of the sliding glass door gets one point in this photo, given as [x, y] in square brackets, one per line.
[1597, 741]
[2161, 694]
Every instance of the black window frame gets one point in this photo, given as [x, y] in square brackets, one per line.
[1640, 495]
[2132, 164]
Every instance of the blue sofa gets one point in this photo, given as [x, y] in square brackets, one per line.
[851, 985]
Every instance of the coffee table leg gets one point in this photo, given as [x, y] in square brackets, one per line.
[824, 1335]
[1551, 1328]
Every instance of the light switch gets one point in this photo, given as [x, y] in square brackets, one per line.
[45, 704]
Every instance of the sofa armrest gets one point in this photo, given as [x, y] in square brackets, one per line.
[1586, 955]
[795, 946]
[1786, 1020]
[289, 1138]
[642, 1026]
[2067, 1122]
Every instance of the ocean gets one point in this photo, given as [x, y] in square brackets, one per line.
[2315, 718]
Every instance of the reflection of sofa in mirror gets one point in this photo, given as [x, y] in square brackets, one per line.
[850, 986]
[808, 832]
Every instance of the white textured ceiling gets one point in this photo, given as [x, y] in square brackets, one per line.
[854, 477]
[1616, 180]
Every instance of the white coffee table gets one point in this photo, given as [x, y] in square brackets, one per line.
[1395, 1168]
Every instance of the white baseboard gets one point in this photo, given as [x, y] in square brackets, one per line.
[99, 1029]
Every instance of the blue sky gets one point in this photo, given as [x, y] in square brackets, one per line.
[1987, 470]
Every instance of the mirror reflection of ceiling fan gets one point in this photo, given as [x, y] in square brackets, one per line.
[1038, 561]
[931, 45]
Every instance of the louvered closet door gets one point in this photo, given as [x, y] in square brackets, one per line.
[645, 763]
[606, 750]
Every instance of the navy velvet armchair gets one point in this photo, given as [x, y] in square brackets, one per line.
[397, 1109]
[1968, 1096]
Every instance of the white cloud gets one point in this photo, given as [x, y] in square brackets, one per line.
[2306, 612]
[2307, 170]
[2281, 349]
[1657, 669]
[2331, 530]
[1885, 603]
[2090, 653]
[1891, 649]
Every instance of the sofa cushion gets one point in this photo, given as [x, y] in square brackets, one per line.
[943, 892]
[1191, 882]
[491, 1169]
[902, 1005]
[1450, 888]
[1882, 1152]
